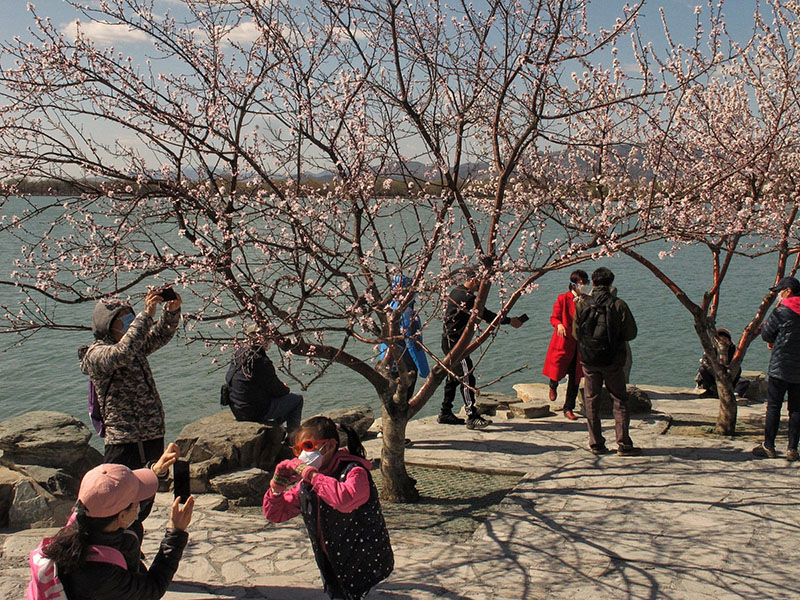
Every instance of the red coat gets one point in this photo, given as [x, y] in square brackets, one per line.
[562, 349]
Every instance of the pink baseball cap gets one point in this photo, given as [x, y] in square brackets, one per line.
[108, 489]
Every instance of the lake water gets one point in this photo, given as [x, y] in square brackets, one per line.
[42, 373]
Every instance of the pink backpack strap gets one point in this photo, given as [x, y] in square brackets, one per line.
[106, 554]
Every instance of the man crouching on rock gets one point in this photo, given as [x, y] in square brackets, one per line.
[130, 406]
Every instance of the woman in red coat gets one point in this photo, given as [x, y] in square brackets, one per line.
[562, 354]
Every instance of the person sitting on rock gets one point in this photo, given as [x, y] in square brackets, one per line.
[705, 375]
[108, 503]
[256, 392]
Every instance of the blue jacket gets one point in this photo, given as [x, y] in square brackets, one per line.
[413, 355]
[782, 330]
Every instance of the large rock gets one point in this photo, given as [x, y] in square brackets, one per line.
[244, 488]
[359, 418]
[221, 444]
[33, 506]
[8, 479]
[757, 390]
[56, 481]
[638, 402]
[532, 392]
[530, 410]
[49, 439]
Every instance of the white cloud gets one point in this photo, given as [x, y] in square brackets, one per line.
[246, 32]
[103, 33]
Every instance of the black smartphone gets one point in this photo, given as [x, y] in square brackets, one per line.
[180, 480]
[524, 317]
[167, 294]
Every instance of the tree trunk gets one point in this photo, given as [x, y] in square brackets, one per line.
[398, 485]
[726, 417]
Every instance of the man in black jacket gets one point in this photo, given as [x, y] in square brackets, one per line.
[781, 331]
[603, 324]
[256, 393]
[460, 303]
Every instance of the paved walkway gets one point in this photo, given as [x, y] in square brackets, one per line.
[693, 518]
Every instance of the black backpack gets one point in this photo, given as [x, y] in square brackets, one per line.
[597, 326]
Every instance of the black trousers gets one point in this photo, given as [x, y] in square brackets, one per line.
[136, 455]
[462, 369]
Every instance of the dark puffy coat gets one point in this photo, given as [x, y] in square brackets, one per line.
[782, 330]
[104, 581]
[352, 549]
[253, 384]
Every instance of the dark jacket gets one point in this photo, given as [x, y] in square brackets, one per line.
[460, 303]
[782, 330]
[129, 401]
[622, 324]
[104, 581]
[253, 383]
[352, 549]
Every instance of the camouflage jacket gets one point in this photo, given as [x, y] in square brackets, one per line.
[129, 400]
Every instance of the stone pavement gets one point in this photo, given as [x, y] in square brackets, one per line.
[692, 518]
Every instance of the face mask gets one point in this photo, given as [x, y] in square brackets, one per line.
[585, 289]
[312, 458]
[126, 321]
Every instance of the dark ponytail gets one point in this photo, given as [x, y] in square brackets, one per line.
[69, 546]
[325, 428]
[354, 445]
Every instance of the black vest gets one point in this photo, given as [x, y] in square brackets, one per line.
[352, 549]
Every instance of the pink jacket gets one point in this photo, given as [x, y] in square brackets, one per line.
[345, 496]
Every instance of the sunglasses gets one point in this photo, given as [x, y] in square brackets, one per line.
[308, 446]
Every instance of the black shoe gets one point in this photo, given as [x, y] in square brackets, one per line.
[761, 451]
[450, 419]
[478, 423]
[598, 450]
[629, 451]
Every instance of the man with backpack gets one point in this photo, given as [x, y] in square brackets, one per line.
[602, 326]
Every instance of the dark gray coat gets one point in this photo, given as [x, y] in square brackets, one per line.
[129, 401]
[782, 330]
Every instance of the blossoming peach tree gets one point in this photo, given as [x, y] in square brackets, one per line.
[281, 162]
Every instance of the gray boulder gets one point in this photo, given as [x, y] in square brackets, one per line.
[757, 390]
[56, 481]
[8, 479]
[495, 401]
[48, 439]
[243, 488]
[530, 410]
[220, 444]
[360, 418]
[33, 506]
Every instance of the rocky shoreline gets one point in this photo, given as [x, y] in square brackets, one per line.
[683, 521]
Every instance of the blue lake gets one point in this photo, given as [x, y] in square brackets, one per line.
[42, 373]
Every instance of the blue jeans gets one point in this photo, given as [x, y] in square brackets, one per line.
[286, 409]
[776, 389]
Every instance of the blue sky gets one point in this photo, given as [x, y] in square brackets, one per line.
[680, 15]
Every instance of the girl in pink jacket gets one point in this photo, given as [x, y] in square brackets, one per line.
[333, 490]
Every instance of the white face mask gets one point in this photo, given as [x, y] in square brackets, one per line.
[584, 289]
[312, 459]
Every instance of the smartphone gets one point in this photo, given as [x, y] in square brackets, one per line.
[180, 480]
[167, 294]
[524, 317]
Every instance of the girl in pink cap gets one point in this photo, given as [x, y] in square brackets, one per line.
[108, 503]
